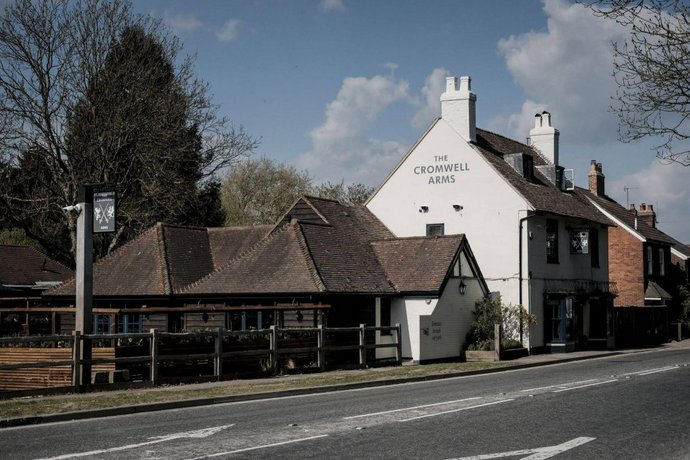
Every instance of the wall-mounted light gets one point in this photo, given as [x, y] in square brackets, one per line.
[458, 207]
[462, 287]
[424, 208]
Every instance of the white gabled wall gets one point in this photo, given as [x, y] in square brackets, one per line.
[490, 208]
[435, 328]
[488, 213]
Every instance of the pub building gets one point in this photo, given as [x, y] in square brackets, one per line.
[539, 241]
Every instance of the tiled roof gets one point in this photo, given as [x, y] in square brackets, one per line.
[432, 258]
[540, 192]
[656, 292]
[341, 250]
[229, 242]
[326, 247]
[627, 217]
[680, 247]
[280, 263]
[160, 262]
[25, 266]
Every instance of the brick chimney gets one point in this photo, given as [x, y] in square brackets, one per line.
[596, 179]
[544, 137]
[458, 107]
[647, 215]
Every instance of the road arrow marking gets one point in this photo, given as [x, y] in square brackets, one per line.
[539, 453]
[196, 434]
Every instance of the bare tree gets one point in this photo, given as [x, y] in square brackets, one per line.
[259, 191]
[54, 58]
[652, 70]
[350, 194]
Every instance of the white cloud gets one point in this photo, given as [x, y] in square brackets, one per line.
[181, 23]
[341, 146]
[230, 30]
[567, 70]
[429, 107]
[666, 187]
[328, 6]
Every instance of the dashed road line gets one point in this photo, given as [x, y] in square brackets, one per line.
[457, 410]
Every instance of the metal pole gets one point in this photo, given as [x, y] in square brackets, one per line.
[84, 278]
[362, 347]
[321, 352]
[154, 356]
[218, 359]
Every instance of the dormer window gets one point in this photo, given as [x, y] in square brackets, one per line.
[522, 163]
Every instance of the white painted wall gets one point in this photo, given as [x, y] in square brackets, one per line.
[434, 328]
[490, 207]
[489, 217]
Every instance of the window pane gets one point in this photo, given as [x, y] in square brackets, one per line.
[434, 230]
[551, 241]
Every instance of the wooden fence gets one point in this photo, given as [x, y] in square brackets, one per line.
[155, 351]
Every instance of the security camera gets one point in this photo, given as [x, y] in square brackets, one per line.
[74, 208]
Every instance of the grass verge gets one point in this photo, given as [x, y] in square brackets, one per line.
[46, 405]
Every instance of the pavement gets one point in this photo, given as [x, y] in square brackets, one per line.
[520, 363]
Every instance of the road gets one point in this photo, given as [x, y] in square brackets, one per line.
[635, 405]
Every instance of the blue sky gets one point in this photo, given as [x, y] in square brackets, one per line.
[342, 88]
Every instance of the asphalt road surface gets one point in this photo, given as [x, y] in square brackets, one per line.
[631, 406]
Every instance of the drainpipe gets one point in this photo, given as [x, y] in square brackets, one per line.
[522, 219]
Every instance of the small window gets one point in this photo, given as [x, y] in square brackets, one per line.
[101, 324]
[130, 323]
[551, 241]
[662, 268]
[386, 316]
[434, 230]
[650, 261]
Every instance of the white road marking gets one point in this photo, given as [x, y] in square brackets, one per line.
[196, 434]
[410, 408]
[264, 446]
[654, 371]
[539, 453]
[457, 410]
[560, 385]
[584, 386]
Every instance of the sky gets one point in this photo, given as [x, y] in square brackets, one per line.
[343, 88]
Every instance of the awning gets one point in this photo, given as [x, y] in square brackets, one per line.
[655, 292]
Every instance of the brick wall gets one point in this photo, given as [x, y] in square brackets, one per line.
[626, 267]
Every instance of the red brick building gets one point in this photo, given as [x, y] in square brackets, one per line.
[646, 264]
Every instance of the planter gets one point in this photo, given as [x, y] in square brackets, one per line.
[513, 353]
[476, 355]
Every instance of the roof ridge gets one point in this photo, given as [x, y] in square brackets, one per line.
[262, 242]
[42, 255]
[420, 237]
[531, 148]
[163, 254]
[306, 250]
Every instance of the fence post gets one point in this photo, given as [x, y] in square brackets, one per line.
[398, 343]
[321, 350]
[218, 358]
[680, 331]
[154, 356]
[497, 341]
[273, 342]
[76, 364]
[362, 347]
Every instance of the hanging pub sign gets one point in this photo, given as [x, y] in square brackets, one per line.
[104, 211]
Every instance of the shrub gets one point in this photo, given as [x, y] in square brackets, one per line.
[489, 311]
